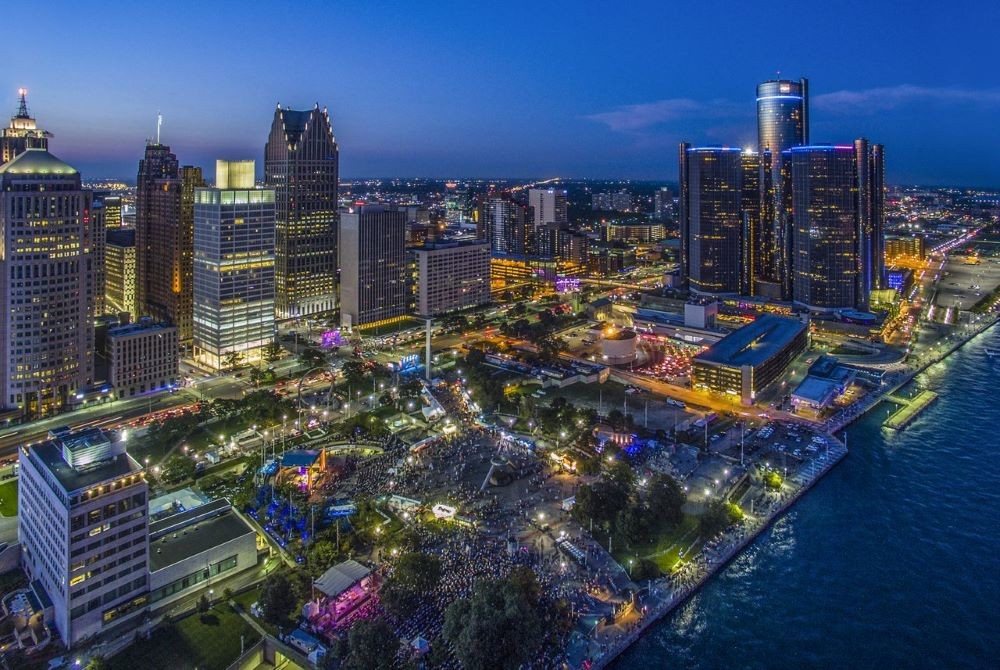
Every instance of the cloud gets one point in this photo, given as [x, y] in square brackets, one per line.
[886, 98]
[644, 116]
[633, 118]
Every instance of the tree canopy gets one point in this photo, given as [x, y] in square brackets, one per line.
[277, 598]
[416, 574]
[371, 645]
[496, 628]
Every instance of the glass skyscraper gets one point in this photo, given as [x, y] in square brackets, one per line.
[712, 218]
[835, 199]
[782, 123]
[233, 267]
[301, 163]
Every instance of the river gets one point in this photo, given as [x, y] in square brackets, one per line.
[892, 561]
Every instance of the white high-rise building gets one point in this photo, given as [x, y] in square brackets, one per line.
[233, 267]
[451, 276]
[83, 528]
[549, 205]
[46, 284]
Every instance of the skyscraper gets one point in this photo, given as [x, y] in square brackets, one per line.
[549, 205]
[119, 276]
[46, 283]
[836, 209]
[663, 203]
[234, 231]
[506, 225]
[157, 163]
[711, 218]
[169, 235]
[22, 133]
[98, 221]
[782, 115]
[782, 123]
[373, 288]
[301, 163]
[752, 261]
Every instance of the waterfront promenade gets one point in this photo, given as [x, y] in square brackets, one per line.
[667, 593]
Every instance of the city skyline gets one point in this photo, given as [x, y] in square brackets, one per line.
[435, 92]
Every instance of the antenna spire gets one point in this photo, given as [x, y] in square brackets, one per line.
[22, 110]
[159, 122]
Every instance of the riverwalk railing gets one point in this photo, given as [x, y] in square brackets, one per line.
[801, 481]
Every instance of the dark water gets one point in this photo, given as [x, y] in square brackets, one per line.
[892, 561]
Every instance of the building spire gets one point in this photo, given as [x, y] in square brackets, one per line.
[22, 110]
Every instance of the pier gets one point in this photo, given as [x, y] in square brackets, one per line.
[910, 408]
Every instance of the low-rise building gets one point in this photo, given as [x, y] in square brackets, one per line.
[452, 276]
[142, 357]
[195, 548]
[750, 359]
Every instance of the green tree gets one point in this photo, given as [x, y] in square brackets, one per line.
[371, 645]
[321, 556]
[96, 663]
[645, 568]
[600, 501]
[666, 499]
[720, 515]
[232, 360]
[312, 357]
[524, 580]
[178, 468]
[277, 598]
[416, 575]
[273, 352]
[496, 628]
[634, 524]
[256, 376]
[549, 348]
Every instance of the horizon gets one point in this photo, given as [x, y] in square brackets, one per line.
[450, 90]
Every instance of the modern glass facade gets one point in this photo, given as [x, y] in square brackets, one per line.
[373, 265]
[782, 123]
[234, 276]
[826, 219]
[301, 164]
[712, 218]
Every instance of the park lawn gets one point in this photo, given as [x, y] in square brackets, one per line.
[665, 549]
[8, 498]
[209, 641]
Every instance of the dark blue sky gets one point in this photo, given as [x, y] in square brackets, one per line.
[518, 89]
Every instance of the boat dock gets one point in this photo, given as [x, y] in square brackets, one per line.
[910, 410]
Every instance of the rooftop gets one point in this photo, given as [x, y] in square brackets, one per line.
[754, 343]
[138, 327]
[341, 577]
[50, 455]
[299, 458]
[815, 390]
[191, 539]
[36, 161]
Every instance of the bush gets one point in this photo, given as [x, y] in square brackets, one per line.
[645, 568]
